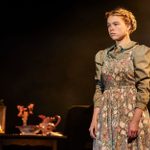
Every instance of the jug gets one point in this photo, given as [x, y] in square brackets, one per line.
[48, 124]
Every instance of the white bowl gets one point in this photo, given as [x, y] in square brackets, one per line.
[28, 129]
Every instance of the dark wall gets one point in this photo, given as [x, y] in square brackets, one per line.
[47, 52]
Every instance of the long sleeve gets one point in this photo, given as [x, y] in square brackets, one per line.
[141, 60]
[98, 90]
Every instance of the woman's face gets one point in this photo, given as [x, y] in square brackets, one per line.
[117, 28]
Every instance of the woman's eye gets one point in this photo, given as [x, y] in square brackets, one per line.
[116, 24]
[108, 25]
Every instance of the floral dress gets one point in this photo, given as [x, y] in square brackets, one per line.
[121, 77]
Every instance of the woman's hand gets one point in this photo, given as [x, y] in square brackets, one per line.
[133, 129]
[134, 123]
[94, 123]
[93, 128]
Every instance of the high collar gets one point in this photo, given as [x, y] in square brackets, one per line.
[126, 47]
[114, 50]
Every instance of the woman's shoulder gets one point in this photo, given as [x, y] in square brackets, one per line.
[100, 52]
[143, 46]
[99, 57]
[141, 49]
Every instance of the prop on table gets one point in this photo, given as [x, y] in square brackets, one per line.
[24, 113]
[28, 129]
[48, 124]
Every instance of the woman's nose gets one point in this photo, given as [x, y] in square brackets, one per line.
[111, 28]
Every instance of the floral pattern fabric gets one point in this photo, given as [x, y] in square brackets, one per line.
[117, 106]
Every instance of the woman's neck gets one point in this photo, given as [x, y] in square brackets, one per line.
[125, 41]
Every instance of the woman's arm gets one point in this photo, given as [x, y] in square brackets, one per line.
[142, 78]
[141, 61]
[93, 126]
[97, 95]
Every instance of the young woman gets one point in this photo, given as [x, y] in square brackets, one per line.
[121, 119]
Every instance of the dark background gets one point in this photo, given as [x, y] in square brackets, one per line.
[47, 52]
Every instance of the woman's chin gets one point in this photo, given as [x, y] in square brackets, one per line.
[114, 38]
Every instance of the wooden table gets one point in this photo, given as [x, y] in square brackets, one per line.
[31, 140]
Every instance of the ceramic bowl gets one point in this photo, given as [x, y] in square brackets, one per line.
[28, 129]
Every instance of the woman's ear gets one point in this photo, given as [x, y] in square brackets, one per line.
[129, 27]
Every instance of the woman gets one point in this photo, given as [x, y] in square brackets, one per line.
[121, 119]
